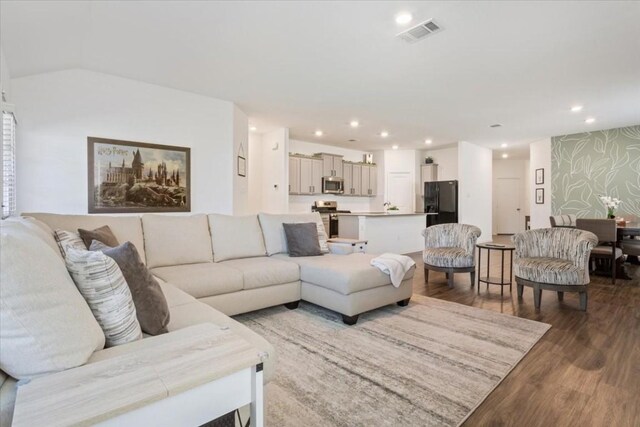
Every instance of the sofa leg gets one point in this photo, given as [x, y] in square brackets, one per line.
[450, 279]
[473, 278]
[292, 305]
[583, 300]
[560, 296]
[426, 275]
[520, 290]
[404, 302]
[350, 320]
[537, 294]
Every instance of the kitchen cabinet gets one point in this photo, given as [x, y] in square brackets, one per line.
[369, 180]
[331, 165]
[294, 175]
[428, 173]
[305, 175]
[356, 189]
[347, 175]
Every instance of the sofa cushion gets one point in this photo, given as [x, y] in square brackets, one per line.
[45, 324]
[151, 305]
[185, 315]
[447, 257]
[548, 270]
[202, 279]
[102, 234]
[124, 227]
[236, 237]
[302, 239]
[273, 231]
[344, 274]
[174, 240]
[102, 285]
[264, 271]
[8, 392]
[174, 295]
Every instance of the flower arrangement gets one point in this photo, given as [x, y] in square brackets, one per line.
[611, 204]
[388, 206]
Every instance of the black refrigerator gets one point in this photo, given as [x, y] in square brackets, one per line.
[441, 198]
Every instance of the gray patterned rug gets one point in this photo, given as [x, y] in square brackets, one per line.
[429, 364]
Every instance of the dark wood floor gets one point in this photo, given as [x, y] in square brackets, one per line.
[584, 372]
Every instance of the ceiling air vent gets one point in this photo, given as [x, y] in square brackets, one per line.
[420, 31]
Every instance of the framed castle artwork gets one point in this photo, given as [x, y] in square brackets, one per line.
[132, 177]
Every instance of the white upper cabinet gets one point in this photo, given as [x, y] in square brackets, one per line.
[305, 175]
[294, 175]
[331, 165]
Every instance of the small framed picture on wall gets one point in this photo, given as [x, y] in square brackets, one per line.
[539, 176]
[539, 196]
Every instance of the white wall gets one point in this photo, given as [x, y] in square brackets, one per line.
[5, 76]
[240, 148]
[254, 173]
[475, 187]
[447, 160]
[540, 157]
[512, 168]
[275, 171]
[59, 110]
[303, 203]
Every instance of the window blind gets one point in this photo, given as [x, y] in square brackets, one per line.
[8, 164]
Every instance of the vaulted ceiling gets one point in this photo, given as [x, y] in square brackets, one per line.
[317, 65]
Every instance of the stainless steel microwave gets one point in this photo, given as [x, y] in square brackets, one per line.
[332, 185]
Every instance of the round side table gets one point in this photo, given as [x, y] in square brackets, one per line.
[495, 280]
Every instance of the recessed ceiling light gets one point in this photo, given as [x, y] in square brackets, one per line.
[395, 147]
[505, 155]
[504, 145]
[403, 18]
[318, 133]
[576, 108]
[354, 123]
[589, 120]
[253, 128]
[384, 134]
[428, 141]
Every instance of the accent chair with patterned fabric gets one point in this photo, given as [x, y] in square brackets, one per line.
[450, 248]
[555, 259]
[567, 221]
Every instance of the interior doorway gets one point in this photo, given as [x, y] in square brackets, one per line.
[508, 205]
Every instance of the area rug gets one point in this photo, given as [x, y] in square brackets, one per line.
[428, 364]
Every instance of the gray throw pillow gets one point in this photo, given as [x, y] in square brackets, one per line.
[302, 239]
[102, 234]
[151, 305]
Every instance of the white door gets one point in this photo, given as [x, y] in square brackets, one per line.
[400, 190]
[508, 211]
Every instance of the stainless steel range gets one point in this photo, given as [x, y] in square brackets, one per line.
[328, 211]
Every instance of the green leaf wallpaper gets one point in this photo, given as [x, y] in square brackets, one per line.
[587, 165]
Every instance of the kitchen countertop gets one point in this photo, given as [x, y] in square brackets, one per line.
[383, 214]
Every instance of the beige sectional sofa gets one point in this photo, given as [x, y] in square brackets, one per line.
[214, 266]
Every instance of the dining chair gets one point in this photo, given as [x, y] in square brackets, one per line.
[606, 231]
[450, 248]
[566, 221]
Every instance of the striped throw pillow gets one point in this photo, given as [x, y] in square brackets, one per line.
[105, 290]
[66, 239]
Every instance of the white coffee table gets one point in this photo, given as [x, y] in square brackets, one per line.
[186, 378]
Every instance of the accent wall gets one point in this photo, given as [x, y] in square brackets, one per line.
[587, 165]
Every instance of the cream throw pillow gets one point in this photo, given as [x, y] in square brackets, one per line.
[45, 324]
[103, 286]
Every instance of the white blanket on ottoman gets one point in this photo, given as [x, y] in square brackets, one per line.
[396, 266]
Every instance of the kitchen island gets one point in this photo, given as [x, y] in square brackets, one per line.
[399, 233]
